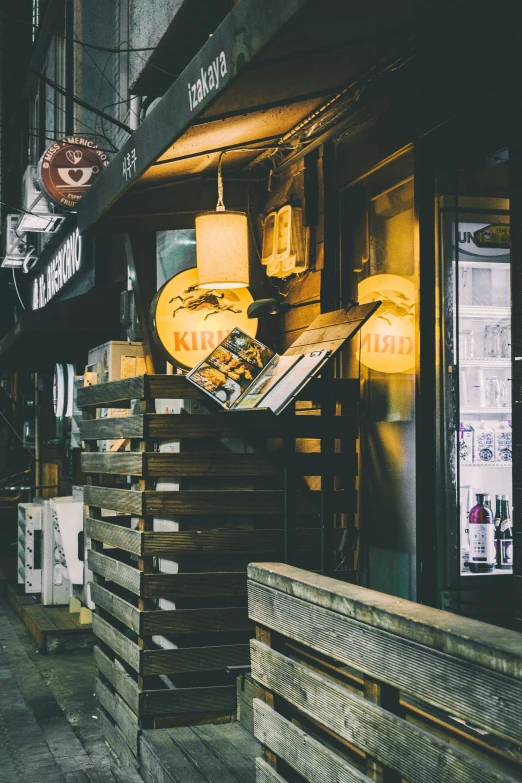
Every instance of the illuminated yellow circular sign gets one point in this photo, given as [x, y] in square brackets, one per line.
[188, 321]
[388, 338]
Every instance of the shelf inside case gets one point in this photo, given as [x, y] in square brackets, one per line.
[480, 313]
[488, 465]
[485, 411]
[485, 362]
[496, 572]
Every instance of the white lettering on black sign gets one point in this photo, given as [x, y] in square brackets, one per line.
[208, 80]
[65, 263]
[129, 164]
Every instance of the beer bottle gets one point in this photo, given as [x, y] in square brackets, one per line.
[505, 536]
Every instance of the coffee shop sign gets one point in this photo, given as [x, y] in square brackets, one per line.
[63, 266]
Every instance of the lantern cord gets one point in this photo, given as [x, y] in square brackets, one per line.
[220, 206]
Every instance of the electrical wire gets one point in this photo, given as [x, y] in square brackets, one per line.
[104, 76]
[18, 294]
[118, 50]
[80, 101]
[15, 432]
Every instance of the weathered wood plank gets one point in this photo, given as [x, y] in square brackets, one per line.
[215, 698]
[490, 700]
[127, 501]
[115, 535]
[121, 714]
[116, 740]
[194, 659]
[267, 774]
[114, 672]
[212, 620]
[223, 425]
[127, 650]
[113, 570]
[155, 464]
[238, 501]
[116, 391]
[211, 464]
[172, 387]
[343, 316]
[228, 541]
[108, 429]
[310, 758]
[169, 387]
[122, 610]
[332, 333]
[123, 463]
[467, 639]
[399, 745]
[197, 585]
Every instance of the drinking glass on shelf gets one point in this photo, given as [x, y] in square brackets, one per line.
[475, 397]
[495, 392]
[463, 387]
[466, 344]
[505, 342]
[492, 342]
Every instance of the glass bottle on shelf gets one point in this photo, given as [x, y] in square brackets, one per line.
[481, 537]
[498, 514]
[504, 535]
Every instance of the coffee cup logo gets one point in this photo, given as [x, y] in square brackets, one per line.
[68, 168]
[77, 176]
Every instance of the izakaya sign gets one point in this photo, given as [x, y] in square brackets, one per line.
[62, 267]
[188, 322]
[388, 338]
[68, 168]
[207, 80]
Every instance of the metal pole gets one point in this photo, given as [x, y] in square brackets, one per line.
[37, 462]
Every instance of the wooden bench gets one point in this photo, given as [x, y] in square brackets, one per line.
[359, 686]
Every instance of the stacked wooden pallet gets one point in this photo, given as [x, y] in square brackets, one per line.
[166, 639]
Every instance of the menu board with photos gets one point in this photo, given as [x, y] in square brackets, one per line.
[243, 374]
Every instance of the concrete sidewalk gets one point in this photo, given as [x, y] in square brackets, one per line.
[48, 732]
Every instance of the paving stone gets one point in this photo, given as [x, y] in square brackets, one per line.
[47, 733]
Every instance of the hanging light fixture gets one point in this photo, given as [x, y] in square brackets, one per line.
[222, 245]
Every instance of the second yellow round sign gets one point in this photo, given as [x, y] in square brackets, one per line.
[189, 322]
[388, 338]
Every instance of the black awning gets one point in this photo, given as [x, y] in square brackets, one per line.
[62, 332]
[268, 66]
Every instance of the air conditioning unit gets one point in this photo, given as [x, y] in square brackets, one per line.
[17, 251]
[39, 215]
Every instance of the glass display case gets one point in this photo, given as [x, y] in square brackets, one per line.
[477, 232]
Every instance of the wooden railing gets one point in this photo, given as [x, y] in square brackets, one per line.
[359, 686]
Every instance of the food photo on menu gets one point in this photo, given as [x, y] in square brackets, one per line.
[222, 388]
[236, 369]
[247, 349]
[232, 367]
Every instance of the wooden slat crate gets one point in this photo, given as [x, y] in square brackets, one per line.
[144, 683]
[360, 686]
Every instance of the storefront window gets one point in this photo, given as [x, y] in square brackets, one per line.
[384, 267]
